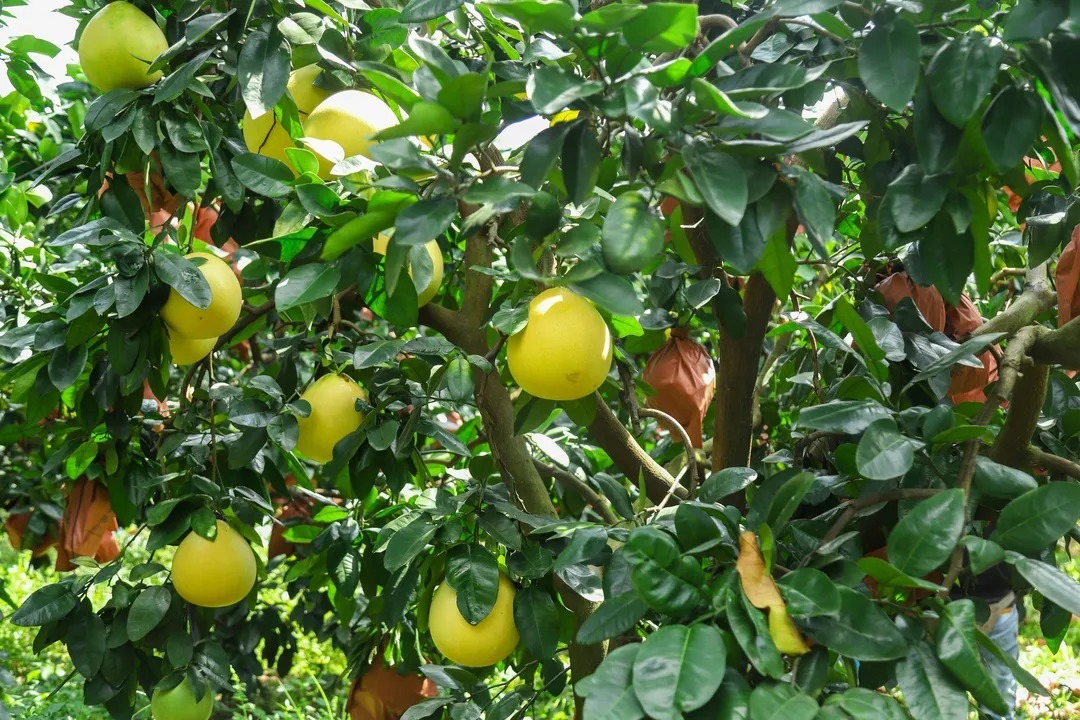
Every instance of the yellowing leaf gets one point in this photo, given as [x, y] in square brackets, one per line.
[757, 583]
[785, 635]
[564, 117]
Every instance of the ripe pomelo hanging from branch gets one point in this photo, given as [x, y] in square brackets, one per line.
[265, 135]
[333, 415]
[118, 46]
[214, 573]
[564, 353]
[187, 320]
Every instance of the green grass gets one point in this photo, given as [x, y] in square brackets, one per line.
[33, 686]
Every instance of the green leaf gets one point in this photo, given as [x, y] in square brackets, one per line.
[663, 27]
[888, 575]
[815, 208]
[778, 264]
[982, 554]
[709, 97]
[778, 701]
[1052, 584]
[263, 71]
[752, 634]
[1022, 676]
[1011, 125]
[665, 579]
[721, 181]
[929, 691]
[1001, 481]
[305, 284]
[537, 621]
[809, 592]
[959, 652]
[66, 364]
[418, 11]
[184, 276]
[408, 542]
[678, 669]
[459, 380]
[542, 153]
[87, 646]
[786, 501]
[147, 611]
[914, 199]
[726, 482]
[424, 221]
[358, 230]
[1034, 19]
[473, 573]
[935, 138]
[948, 256]
[842, 416]
[861, 630]
[614, 293]
[580, 162]
[961, 74]
[263, 175]
[632, 236]
[1038, 518]
[889, 62]
[49, 604]
[551, 16]
[925, 537]
[609, 692]
[425, 120]
[615, 616]
[883, 452]
[182, 170]
[551, 89]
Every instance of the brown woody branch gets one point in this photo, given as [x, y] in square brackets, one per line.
[676, 427]
[612, 436]
[1052, 463]
[572, 482]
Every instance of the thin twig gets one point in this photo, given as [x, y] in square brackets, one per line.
[676, 427]
[571, 481]
[855, 505]
[1054, 463]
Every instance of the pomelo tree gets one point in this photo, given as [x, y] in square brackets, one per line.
[652, 335]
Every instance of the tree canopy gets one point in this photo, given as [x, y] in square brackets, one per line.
[818, 254]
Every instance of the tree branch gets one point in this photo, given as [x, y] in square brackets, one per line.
[570, 481]
[688, 447]
[1059, 347]
[1053, 463]
[855, 505]
[1037, 298]
[612, 436]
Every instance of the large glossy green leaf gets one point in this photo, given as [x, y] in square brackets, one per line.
[663, 27]
[861, 630]
[961, 74]
[721, 181]
[726, 482]
[914, 199]
[632, 235]
[678, 669]
[615, 616]
[925, 537]
[815, 208]
[305, 284]
[889, 60]
[45, 605]
[1001, 481]
[581, 157]
[780, 701]
[536, 619]
[609, 692]
[959, 652]
[809, 592]
[1038, 518]
[665, 579]
[147, 611]
[842, 416]
[1011, 125]
[263, 71]
[929, 690]
[749, 627]
[884, 452]
[473, 573]
[1051, 583]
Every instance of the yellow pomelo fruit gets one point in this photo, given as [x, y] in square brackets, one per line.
[264, 135]
[185, 319]
[425, 295]
[180, 704]
[486, 643]
[117, 47]
[333, 416]
[350, 118]
[187, 351]
[214, 573]
[564, 353]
